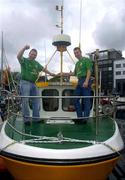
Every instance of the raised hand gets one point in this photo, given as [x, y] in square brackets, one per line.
[26, 47]
[52, 74]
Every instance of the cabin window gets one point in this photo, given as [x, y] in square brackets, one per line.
[50, 104]
[68, 103]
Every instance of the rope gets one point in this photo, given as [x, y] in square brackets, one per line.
[80, 25]
[70, 57]
[60, 139]
[51, 140]
[8, 145]
[50, 59]
[28, 135]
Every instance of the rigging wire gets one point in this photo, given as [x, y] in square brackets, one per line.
[9, 73]
[80, 24]
[1, 78]
[4, 63]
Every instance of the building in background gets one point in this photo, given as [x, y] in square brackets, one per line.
[111, 71]
[119, 76]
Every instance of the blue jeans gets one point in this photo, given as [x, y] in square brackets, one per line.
[82, 106]
[29, 89]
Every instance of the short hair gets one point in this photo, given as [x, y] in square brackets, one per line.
[77, 48]
[33, 50]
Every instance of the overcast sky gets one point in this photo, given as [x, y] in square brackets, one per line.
[33, 22]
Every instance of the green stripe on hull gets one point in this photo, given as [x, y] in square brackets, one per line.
[100, 131]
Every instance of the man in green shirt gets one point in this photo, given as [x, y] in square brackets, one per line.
[30, 70]
[83, 69]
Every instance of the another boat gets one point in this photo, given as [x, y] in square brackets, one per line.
[120, 101]
[2, 103]
[6, 87]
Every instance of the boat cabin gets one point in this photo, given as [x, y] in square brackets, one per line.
[57, 101]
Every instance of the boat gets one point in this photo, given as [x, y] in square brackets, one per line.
[57, 147]
[2, 105]
[120, 107]
[5, 89]
[120, 101]
[2, 164]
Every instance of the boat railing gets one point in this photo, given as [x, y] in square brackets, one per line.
[43, 139]
[27, 137]
[36, 139]
[8, 102]
[14, 118]
[106, 104]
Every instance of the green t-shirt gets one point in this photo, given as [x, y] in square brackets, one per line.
[82, 66]
[30, 69]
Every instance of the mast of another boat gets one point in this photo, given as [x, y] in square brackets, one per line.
[96, 58]
[80, 24]
[96, 83]
[1, 74]
[4, 60]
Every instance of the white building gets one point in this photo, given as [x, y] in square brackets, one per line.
[119, 76]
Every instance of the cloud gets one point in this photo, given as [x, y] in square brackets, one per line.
[110, 31]
[27, 22]
[33, 22]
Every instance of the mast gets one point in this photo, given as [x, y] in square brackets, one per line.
[97, 82]
[62, 18]
[60, 9]
[80, 24]
[1, 78]
[61, 41]
[61, 49]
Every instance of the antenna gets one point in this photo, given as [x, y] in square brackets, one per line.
[80, 25]
[61, 42]
[1, 79]
[61, 14]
